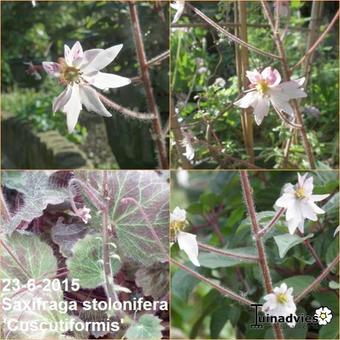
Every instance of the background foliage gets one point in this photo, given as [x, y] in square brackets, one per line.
[202, 55]
[198, 311]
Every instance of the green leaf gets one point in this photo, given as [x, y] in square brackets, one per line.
[86, 264]
[153, 280]
[151, 192]
[212, 260]
[38, 192]
[34, 255]
[182, 284]
[330, 331]
[299, 283]
[288, 241]
[224, 312]
[147, 327]
[332, 251]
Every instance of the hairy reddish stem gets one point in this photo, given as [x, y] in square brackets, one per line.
[143, 63]
[248, 196]
[4, 209]
[224, 291]
[226, 253]
[229, 35]
[317, 281]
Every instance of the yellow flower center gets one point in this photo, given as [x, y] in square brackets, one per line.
[300, 193]
[262, 87]
[177, 226]
[282, 298]
[323, 316]
[70, 74]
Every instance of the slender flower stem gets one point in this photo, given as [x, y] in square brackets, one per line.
[317, 281]
[159, 58]
[319, 40]
[226, 253]
[224, 291]
[90, 192]
[4, 209]
[15, 259]
[312, 251]
[109, 282]
[149, 224]
[248, 196]
[277, 216]
[229, 35]
[156, 122]
[286, 76]
[127, 112]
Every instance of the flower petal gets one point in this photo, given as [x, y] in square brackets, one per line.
[188, 243]
[285, 200]
[67, 55]
[89, 55]
[107, 80]
[77, 53]
[60, 101]
[250, 99]
[261, 109]
[318, 198]
[103, 59]
[253, 76]
[51, 68]
[272, 76]
[90, 99]
[179, 7]
[73, 108]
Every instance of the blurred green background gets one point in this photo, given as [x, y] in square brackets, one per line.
[35, 34]
[203, 55]
[199, 311]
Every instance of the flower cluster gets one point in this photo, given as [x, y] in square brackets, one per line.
[80, 72]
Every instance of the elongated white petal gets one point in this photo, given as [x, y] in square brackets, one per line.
[89, 55]
[308, 211]
[76, 54]
[67, 55]
[282, 105]
[272, 76]
[261, 109]
[60, 101]
[250, 99]
[188, 243]
[73, 108]
[92, 102]
[107, 80]
[285, 200]
[316, 209]
[102, 59]
[318, 198]
[51, 68]
[179, 11]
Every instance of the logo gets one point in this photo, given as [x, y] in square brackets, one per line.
[324, 315]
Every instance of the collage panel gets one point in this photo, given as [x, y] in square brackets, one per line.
[254, 255]
[88, 89]
[254, 84]
[84, 254]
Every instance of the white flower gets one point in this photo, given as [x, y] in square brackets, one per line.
[34, 3]
[186, 241]
[268, 90]
[220, 82]
[84, 214]
[80, 70]
[324, 315]
[299, 201]
[280, 303]
[189, 149]
[337, 230]
[178, 5]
